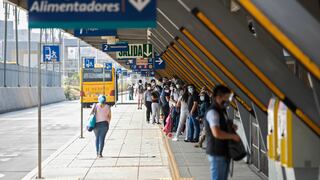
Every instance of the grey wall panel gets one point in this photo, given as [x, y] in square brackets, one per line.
[266, 62]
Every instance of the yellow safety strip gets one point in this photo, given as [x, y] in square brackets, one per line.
[179, 67]
[215, 76]
[281, 37]
[188, 67]
[224, 69]
[216, 31]
[186, 78]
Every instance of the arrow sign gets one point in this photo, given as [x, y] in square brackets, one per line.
[136, 51]
[139, 4]
[159, 61]
[147, 50]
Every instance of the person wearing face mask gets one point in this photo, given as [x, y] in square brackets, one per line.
[148, 101]
[204, 104]
[102, 112]
[174, 97]
[193, 124]
[140, 92]
[165, 98]
[216, 125]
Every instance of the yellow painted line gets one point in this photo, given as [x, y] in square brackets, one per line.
[307, 121]
[215, 30]
[178, 70]
[281, 37]
[223, 69]
[215, 76]
[174, 168]
[239, 54]
[178, 67]
[193, 65]
[187, 66]
[187, 71]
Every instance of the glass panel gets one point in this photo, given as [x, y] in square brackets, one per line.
[96, 75]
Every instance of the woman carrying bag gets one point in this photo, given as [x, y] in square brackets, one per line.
[102, 113]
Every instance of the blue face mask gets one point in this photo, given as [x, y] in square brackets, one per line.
[102, 99]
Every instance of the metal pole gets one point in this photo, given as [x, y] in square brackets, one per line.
[81, 97]
[122, 86]
[17, 48]
[60, 35]
[5, 44]
[39, 111]
[53, 63]
[29, 56]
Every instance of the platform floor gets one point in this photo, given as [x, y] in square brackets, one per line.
[134, 150]
[193, 162]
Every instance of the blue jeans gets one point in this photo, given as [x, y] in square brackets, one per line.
[219, 167]
[100, 130]
[194, 128]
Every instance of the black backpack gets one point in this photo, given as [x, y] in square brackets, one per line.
[236, 150]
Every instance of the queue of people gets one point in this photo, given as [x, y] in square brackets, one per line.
[199, 116]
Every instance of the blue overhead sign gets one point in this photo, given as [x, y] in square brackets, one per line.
[89, 63]
[115, 47]
[103, 14]
[159, 63]
[119, 71]
[108, 66]
[95, 32]
[51, 53]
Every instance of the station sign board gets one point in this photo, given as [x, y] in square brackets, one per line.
[115, 47]
[103, 14]
[108, 66]
[158, 62]
[94, 32]
[89, 62]
[51, 53]
[136, 51]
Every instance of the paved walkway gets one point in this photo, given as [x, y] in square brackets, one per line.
[193, 162]
[133, 150]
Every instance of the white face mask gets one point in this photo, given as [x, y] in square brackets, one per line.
[149, 88]
[167, 91]
[153, 84]
[201, 98]
[190, 90]
[171, 88]
[178, 86]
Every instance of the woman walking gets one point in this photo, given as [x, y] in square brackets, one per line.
[103, 118]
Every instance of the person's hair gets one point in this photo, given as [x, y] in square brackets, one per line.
[140, 81]
[185, 94]
[221, 90]
[192, 85]
[148, 84]
[153, 80]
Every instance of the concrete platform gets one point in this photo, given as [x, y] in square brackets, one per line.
[134, 150]
[193, 163]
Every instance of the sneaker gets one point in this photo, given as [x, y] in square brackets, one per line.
[187, 140]
[198, 145]
[175, 139]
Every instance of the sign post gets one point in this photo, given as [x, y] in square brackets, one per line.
[39, 114]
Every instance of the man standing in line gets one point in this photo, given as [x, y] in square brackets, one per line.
[193, 131]
[216, 122]
[148, 101]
